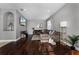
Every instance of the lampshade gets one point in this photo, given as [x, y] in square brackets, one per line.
[63, 24]
[38, 26]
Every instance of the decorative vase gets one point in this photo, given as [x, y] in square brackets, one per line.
[72, 47]
[76, 45]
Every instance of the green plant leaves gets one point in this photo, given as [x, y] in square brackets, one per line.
[74, 38]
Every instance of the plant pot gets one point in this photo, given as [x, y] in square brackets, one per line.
[72, 47]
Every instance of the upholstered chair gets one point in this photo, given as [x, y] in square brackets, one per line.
[44, 37]
[35, 37]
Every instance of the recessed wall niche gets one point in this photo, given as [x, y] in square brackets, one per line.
[8, 21]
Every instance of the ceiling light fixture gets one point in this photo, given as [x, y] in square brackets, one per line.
[23, 9]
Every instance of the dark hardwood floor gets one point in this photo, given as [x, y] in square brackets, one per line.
[35, 47]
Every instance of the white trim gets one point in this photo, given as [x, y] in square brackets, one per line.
[9, 40]
[66, 43]
[4, 42]
[77, 48]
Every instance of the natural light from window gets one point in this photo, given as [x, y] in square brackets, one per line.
[49, 24]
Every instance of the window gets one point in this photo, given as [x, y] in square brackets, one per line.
[49, 24]
[22, 21]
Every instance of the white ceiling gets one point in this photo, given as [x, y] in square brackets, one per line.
[35, 11]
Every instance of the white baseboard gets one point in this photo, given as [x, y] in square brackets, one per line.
[66, 43]
[4, 42]
[9, 40]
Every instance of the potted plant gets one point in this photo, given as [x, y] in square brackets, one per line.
[73, 39]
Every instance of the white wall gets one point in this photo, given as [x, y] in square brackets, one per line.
[33, 23]
[67, 13]
[76, 21]
[18, 27]
[10, 35]
[7, 35]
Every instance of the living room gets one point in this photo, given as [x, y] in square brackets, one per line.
[39, 28]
